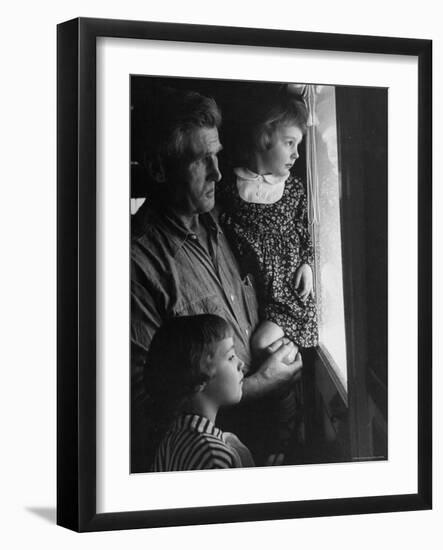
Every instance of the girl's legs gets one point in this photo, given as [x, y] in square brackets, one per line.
[265, 335]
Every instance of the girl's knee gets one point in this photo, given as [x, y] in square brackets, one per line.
[265, 335]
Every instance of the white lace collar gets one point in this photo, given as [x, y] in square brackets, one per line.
[256, 188]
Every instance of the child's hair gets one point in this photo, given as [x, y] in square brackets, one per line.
[174, 368]
[264, 117]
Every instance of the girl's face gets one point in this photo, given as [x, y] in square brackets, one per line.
[225, 387]
[279, 159]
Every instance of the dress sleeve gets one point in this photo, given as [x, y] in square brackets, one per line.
[302, 224]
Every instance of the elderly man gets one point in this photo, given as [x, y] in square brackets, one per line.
[181, 262]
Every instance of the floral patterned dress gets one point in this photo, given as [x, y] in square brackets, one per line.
[271, 241]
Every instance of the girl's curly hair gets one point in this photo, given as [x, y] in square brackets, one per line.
[263, 118]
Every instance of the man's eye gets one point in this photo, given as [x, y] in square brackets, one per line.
[196, 162]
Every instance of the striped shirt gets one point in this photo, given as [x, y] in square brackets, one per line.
[194, 443]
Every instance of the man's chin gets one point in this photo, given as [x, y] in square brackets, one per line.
[208, 205]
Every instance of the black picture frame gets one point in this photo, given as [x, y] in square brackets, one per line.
[76, 273]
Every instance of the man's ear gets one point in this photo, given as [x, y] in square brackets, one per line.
[201, 387]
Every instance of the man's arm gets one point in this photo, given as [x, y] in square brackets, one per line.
[145, 320]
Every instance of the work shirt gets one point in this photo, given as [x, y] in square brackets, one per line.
[173, 273]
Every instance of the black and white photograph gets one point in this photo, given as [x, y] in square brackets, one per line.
[258, 266]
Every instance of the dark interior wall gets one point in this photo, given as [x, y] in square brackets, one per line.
[363, 149]
[232, 97]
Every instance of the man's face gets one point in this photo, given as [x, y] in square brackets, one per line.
[196, 193]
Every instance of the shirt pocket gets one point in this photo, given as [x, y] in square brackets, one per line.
[210, 303]
[251, 303]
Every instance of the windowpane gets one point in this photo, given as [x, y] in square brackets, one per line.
[327, 233]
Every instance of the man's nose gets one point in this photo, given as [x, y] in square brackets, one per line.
[214, 171]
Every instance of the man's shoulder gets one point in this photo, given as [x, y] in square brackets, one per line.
[144, 223]
[152, 247]
[150, 234]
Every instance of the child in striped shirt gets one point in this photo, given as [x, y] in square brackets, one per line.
[192, 370]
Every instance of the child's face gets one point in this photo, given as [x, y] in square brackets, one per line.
[225, 385]
[279, 159]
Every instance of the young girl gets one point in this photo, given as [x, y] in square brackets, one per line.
[264, 213]
[191, 371]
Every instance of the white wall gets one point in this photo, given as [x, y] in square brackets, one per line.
[27, 288]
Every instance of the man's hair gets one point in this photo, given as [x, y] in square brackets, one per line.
[264, 118]
[175, 369]
[175, 115]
